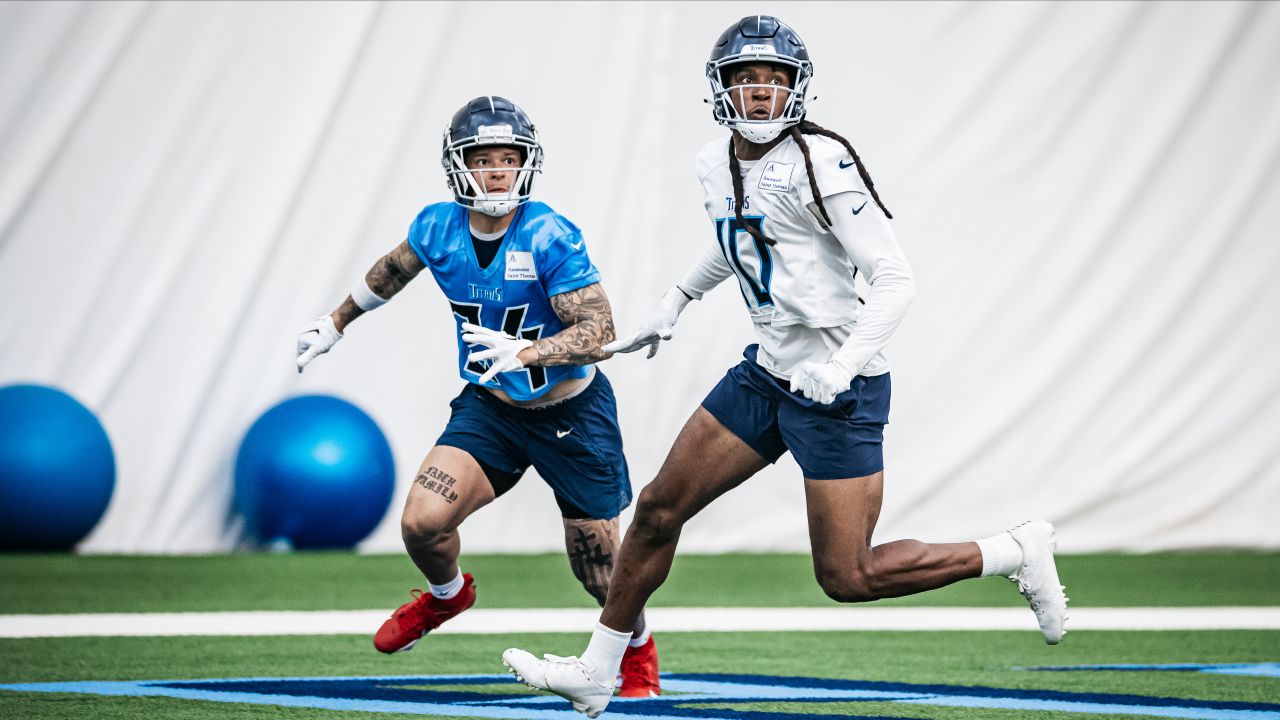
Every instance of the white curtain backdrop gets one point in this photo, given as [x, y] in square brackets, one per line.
[1089, 194]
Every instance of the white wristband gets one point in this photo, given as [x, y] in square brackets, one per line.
[364, 298]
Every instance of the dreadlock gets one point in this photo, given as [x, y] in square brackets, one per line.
[735, 171]
[798, 132]
[814, 129]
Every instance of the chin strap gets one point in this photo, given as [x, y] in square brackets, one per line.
[494, 208]
[759, 133]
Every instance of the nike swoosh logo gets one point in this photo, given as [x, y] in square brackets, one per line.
[859, 208]
[560, 433]
[577, 245]
[844, 165]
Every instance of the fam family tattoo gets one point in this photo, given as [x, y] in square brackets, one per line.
[439, 482]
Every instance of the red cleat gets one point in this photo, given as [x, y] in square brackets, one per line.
[414, 619]
[640, 671]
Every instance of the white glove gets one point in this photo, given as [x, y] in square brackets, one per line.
[316, 339]
[502, 349]
[821, 382]
[656, 328]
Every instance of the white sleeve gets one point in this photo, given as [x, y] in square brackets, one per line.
[833, 168]
[868, 238]
[710, 270]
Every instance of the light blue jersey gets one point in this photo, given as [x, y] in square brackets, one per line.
[541, 255]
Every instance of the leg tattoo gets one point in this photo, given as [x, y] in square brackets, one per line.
[592, 546]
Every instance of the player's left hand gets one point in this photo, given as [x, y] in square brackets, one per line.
[820, 382]
[656, 328]
[503, 349]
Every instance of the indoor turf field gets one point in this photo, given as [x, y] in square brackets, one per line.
[900, 674]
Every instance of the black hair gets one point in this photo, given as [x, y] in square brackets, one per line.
[797, 133]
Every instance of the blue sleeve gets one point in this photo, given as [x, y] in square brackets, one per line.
[567, 267]
[417, 237]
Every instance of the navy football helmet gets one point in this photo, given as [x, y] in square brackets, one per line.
[490, 120]
[759, 38]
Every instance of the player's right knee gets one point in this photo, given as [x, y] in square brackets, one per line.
[656, 517]
[420, 528]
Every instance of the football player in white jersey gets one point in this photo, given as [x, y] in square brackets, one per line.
[797, 217]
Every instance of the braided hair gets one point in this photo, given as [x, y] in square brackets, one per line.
[797, 133]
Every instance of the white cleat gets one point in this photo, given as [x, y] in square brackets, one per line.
[568, 677]
[1037, 578]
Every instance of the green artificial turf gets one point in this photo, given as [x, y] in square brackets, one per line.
[344, 581]
[326, 581]
[988, 659]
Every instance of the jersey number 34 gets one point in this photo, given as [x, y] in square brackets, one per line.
[513, 325]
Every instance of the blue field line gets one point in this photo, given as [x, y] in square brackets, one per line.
[1095, 708]
[414, 695]
[1266, 669]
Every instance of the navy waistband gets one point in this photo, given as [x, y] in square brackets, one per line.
[598, 384]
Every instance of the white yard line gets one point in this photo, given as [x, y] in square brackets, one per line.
[364, 622]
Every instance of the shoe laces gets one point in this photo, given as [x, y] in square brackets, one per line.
[1023, 586]
[418, 609]
[1025, 589]
[574, 663]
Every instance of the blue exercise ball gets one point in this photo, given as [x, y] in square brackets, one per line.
[57, 470]
[313, 472]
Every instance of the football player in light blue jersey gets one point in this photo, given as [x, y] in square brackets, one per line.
[531, 318]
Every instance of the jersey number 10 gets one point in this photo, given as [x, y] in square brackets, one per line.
[754, 269]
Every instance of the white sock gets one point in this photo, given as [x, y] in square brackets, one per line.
[641, 639]
[449, 589]
[1001, 555]
[603, 655]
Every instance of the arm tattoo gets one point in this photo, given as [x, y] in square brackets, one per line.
[590, 325]
[387, 277]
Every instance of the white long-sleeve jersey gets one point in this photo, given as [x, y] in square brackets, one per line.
[800, 292]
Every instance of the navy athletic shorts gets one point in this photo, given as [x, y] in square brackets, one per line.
[841, 440]
[575, 445]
